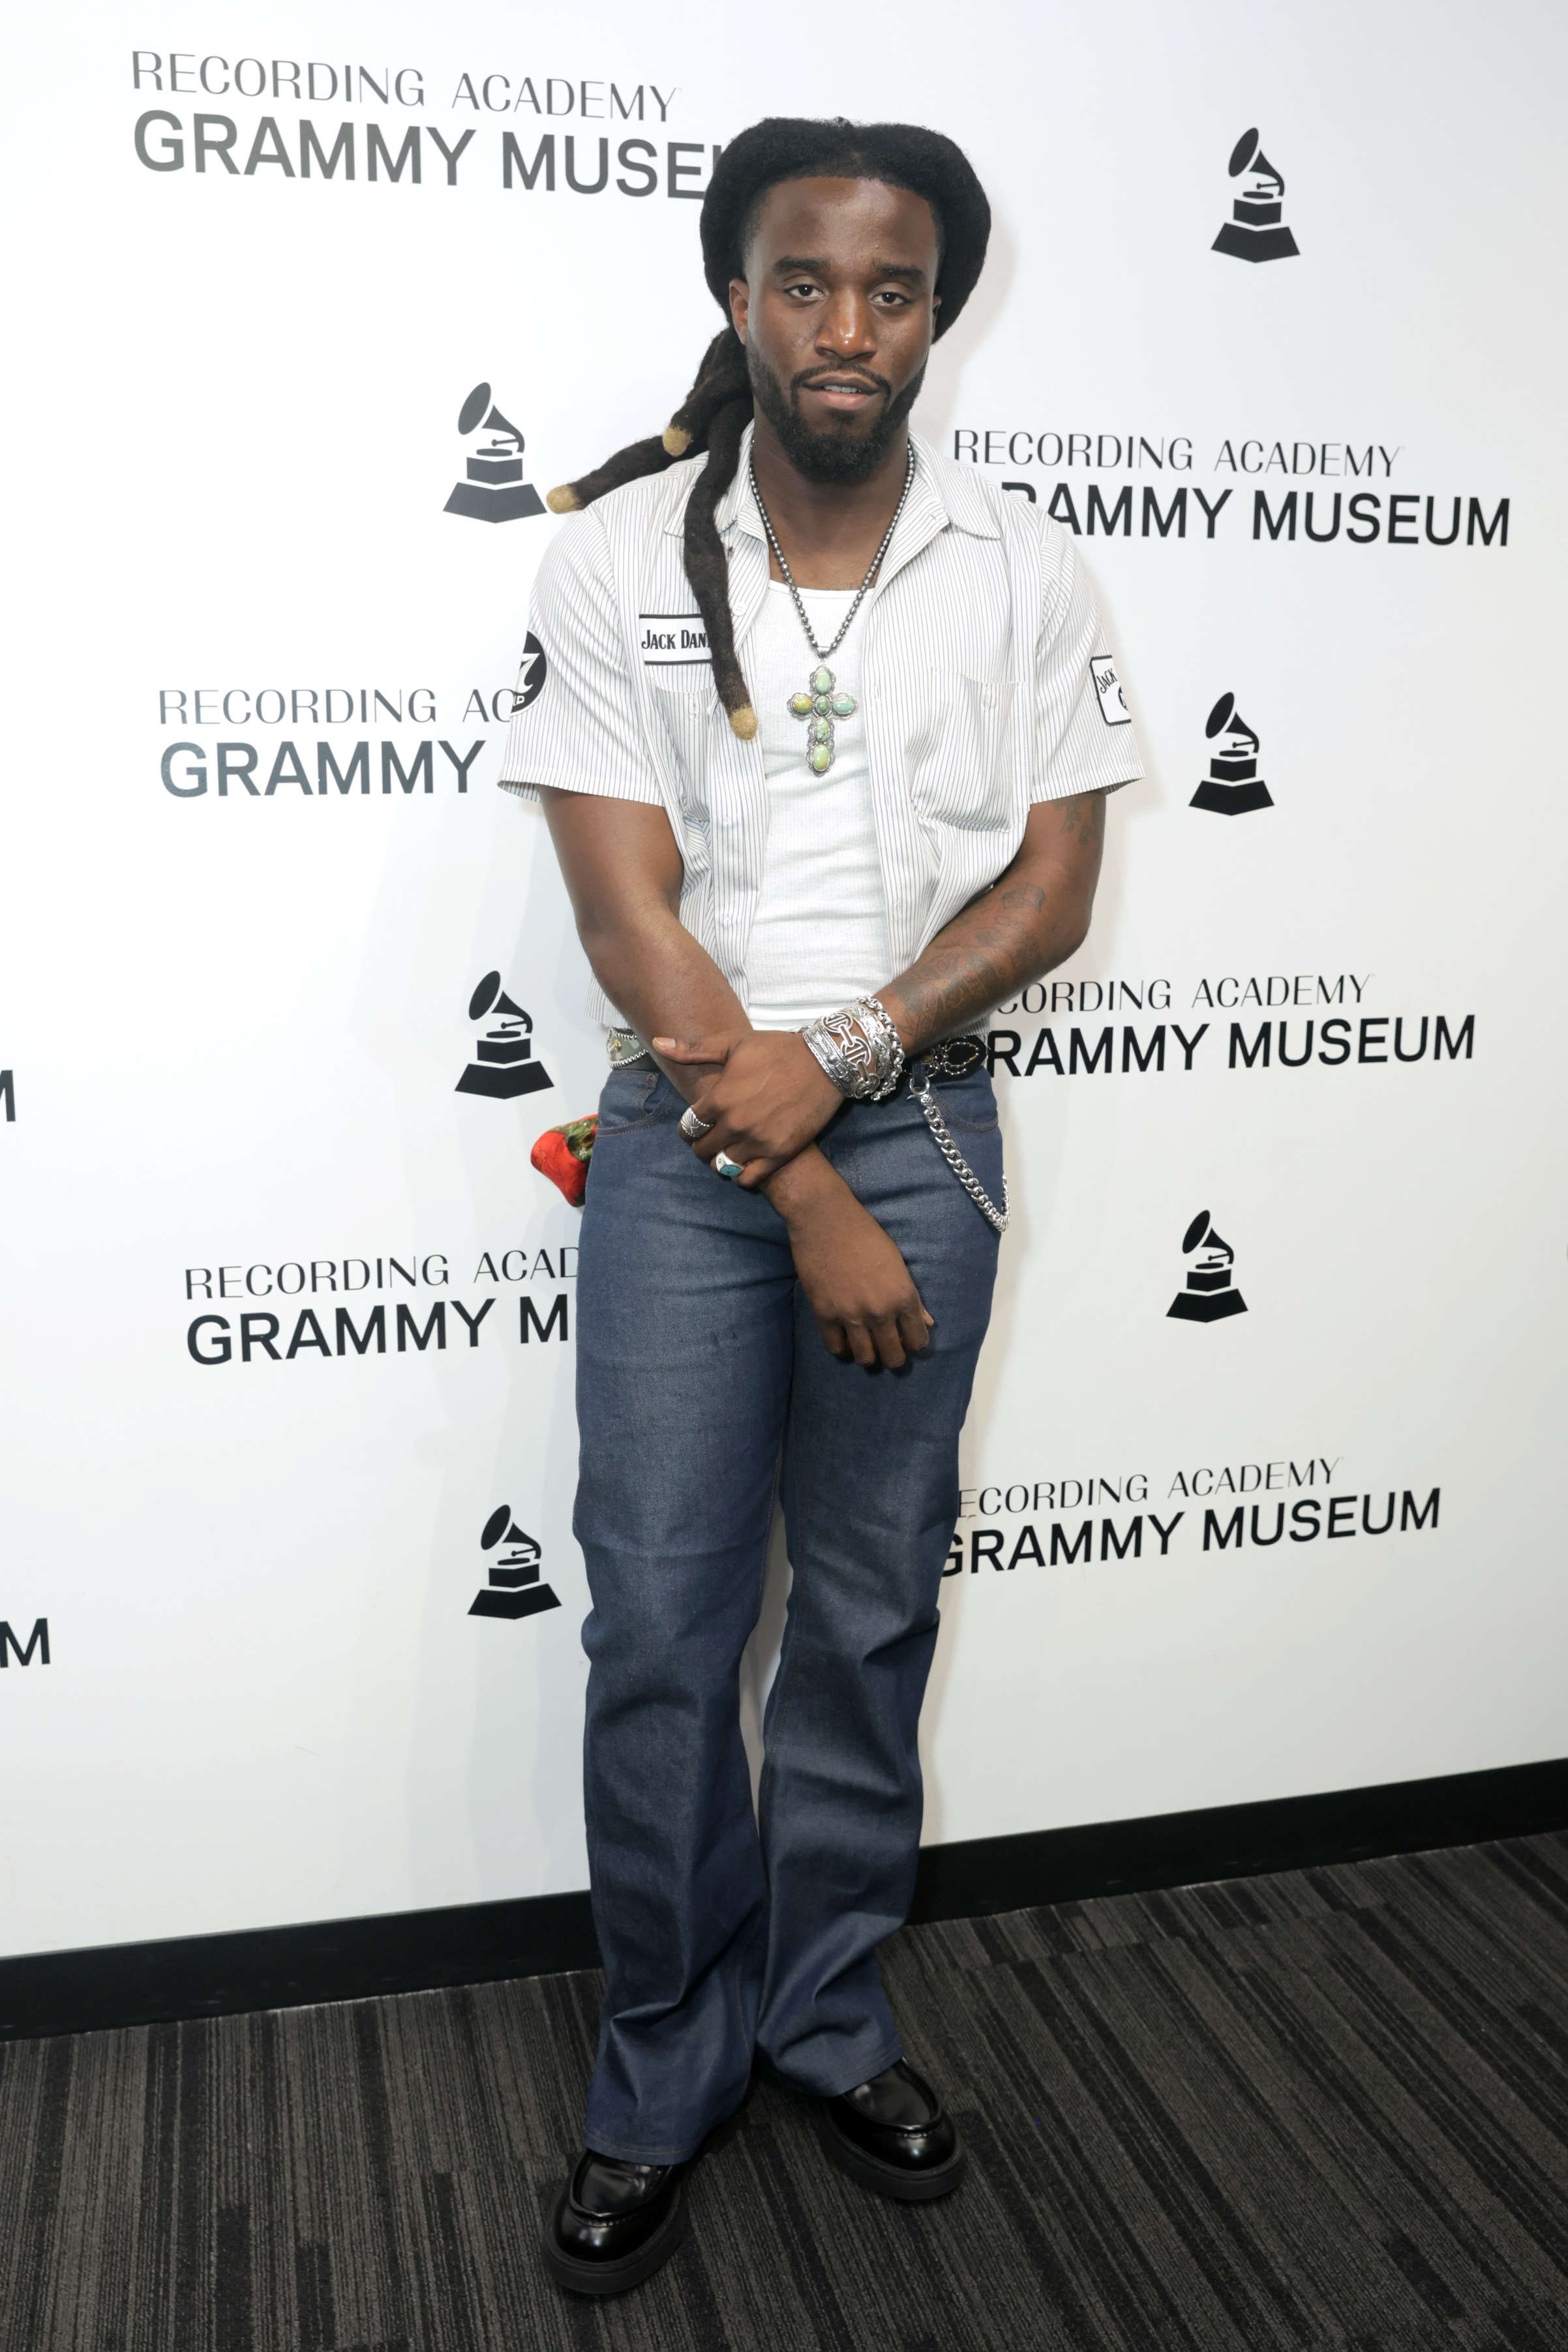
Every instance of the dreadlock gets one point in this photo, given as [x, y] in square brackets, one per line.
[713, 417]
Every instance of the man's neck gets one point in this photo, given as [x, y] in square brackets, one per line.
[828, 530]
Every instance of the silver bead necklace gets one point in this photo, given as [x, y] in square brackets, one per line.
[818, 705]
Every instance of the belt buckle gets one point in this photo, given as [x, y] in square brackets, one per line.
[940, 1063]
[624, 1045]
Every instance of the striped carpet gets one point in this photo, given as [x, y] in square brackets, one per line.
[1327, 2108]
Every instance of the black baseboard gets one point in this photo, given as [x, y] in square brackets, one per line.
[478, 1943]
[1011, 1873]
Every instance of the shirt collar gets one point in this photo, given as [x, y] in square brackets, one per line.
[940, 496]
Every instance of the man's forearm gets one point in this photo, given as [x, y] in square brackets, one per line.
[665, 982]
[668, 986]
[1033, 918]
[983, 956]
[623, 872]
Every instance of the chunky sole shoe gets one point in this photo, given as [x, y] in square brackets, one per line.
[910, 2185]
[619, 2275]
[581, 2277]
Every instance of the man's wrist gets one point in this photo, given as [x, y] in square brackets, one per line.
[858, 1049]
[800, 1184]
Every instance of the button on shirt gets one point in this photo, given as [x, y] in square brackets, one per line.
[984, 686]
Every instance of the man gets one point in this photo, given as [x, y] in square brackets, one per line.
[824, 740]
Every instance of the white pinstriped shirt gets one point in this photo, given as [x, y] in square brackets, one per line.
[985, 687]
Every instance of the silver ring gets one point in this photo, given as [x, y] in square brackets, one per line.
[692, 1127]
[724, 1166]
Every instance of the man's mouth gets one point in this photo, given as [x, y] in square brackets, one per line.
[846, 394]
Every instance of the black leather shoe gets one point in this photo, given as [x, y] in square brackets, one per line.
[890, 2135]
[615, 2223]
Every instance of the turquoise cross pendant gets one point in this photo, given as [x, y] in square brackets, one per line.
[819, 707]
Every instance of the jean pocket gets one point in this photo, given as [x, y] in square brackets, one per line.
[630, 1099]
[969, 1103]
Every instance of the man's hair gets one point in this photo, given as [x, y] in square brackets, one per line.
[716, 410]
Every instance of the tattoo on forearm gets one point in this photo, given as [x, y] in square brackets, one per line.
[1004, 939]
[1083, 815]
[949, 982]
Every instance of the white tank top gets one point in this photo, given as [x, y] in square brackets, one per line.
[819, 936]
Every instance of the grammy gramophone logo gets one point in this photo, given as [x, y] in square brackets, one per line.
[1210, 1293]
[503, 1064]
[493, 489]
[1255, 231]
[1233, 786]
[513, 1588]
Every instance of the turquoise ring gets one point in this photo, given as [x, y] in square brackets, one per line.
[724, 1166]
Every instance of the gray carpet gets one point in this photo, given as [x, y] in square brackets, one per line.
[1328, 2108]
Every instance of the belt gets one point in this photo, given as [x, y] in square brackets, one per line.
[954, 1057]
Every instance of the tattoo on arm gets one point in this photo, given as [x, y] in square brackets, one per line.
[952, 980]
[1008, 936]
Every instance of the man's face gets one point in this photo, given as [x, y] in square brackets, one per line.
[837, 312]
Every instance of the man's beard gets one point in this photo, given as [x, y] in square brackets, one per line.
[829, 456]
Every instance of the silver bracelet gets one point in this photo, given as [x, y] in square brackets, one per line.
[858, 1049]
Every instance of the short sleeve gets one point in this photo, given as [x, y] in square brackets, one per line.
[576, 722]
[1084, 740]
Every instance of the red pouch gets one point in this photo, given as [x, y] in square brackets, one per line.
[563, 1154]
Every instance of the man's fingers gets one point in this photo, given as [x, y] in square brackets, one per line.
[862, 1346]
[914, 1327]
[899, 1335]
[692, 1049]
[721, 1136]
[722, 1140]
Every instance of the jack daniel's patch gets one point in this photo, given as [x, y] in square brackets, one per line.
[673, 641]
[1108, 686]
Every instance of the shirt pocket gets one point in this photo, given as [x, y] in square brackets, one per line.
[961, 750]
[687, 702]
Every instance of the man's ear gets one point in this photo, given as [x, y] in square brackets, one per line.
[740, 305]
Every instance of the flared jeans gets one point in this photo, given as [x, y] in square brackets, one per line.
[704, 1391]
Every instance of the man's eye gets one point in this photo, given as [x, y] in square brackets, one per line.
[803, 286]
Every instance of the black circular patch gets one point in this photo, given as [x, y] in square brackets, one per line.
[531, 673]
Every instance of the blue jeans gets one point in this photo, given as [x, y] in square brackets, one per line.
[702, 1386]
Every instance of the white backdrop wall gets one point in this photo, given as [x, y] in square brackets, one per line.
[233, 997]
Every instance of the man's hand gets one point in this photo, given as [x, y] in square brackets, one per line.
[763, 1094]
[853, 1275]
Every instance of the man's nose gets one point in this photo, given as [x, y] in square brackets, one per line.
[846, 327]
